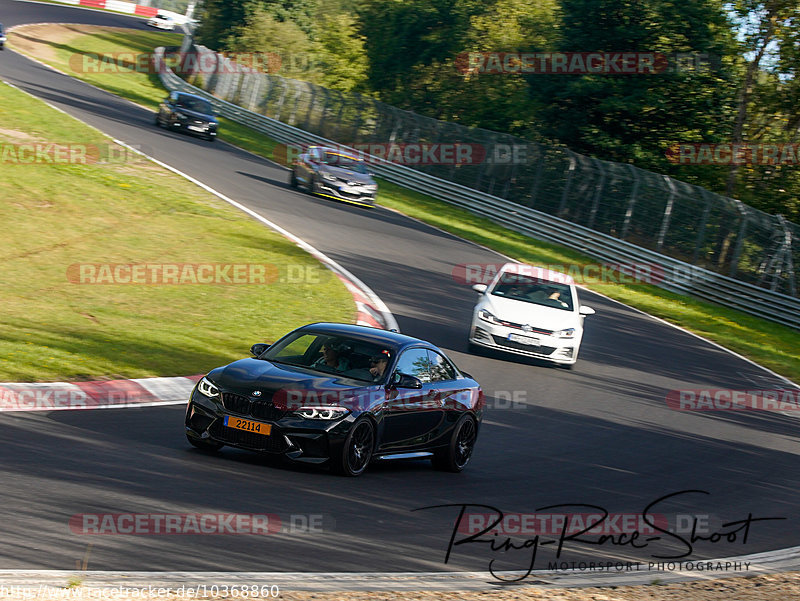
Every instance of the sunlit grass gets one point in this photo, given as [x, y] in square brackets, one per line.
[129, 211]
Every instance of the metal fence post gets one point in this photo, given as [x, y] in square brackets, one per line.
[667, 212]
[701, 231]
[737, 251]
[598, 193]
[284, 88]
[626, 223]
[537, 177]
[567, 184]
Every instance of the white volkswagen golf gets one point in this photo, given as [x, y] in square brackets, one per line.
[529, 311]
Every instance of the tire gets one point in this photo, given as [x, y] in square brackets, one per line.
[458, 452]
[158, 120]
[293, 180]
[356, 452]
[204, 445]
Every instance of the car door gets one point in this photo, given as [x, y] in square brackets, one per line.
[411, 415]
[306, 165]
[169, 107]
[452, 391]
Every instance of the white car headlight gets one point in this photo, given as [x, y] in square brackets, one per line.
[568, 333]
[486, 316]
[328, 176]
[207, 388]
[322, 412]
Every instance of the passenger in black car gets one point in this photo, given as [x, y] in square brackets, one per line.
[377, 366]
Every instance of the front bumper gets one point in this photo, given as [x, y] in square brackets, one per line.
[296, 438]
[550, 347]
[195, 127]
[342, 191]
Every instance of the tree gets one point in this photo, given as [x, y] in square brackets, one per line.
[637, 117]
[220, 18]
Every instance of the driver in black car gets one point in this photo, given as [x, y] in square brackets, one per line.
[333, 356]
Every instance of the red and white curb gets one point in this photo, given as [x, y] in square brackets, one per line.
[129, 8]
[110, 394]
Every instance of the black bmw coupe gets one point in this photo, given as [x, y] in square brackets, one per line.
[341, 395]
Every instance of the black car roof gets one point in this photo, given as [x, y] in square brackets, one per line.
[366, 334]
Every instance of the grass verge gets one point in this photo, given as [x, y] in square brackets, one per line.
[772, 345]
[125, 210]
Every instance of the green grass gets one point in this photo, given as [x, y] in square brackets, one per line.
[132, 212]
[772, 345]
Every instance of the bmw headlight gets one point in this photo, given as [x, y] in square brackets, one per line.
[327, 413]
[207, 388]
[568, 333]
[371, 187]
[328, 176]
[181, 116]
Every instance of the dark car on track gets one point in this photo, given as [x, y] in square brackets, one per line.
[2, 38]
[341, 395]
[335, 174]
[189, 113]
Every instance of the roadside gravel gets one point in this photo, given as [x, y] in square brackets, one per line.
[766, 587]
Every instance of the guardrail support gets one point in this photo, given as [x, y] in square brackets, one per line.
[667, 213]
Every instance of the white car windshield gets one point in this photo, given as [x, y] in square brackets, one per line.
[345, 162]
[534, 290]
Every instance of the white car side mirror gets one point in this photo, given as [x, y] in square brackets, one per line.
[481, 288]
[584, 310]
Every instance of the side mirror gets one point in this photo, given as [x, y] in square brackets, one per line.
[406, 381]
[258, 349]
[480, 288]
[584, 310]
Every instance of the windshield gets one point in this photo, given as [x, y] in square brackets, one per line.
[345, 162]
[195, 104]
[329, 354]
[534, 290]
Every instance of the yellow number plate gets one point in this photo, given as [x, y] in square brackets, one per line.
[247, 425]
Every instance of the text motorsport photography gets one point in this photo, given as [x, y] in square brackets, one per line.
[667, 541]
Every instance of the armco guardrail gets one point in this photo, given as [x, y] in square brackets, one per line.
[678, 276]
